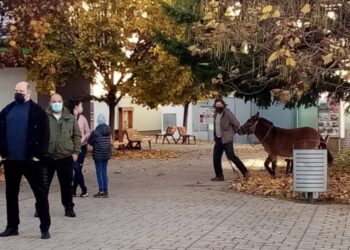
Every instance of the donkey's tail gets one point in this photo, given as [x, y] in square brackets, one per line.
[323, 144]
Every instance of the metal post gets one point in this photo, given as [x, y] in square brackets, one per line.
[310, 198]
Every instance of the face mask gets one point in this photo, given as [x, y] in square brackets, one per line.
[219, 109]
[57, 107]
[19, 98]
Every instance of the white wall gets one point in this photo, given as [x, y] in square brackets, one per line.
[8, 79]
[144, 119]
[179, 111]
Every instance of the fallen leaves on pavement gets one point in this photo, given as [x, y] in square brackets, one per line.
[251, 149]
[146, 154]
[261, 183]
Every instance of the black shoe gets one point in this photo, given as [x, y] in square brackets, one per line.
[218, 178]
[69, 213]
[83, 195]
[9, 232]
[36, 214]
[45, 235]
[99, 195]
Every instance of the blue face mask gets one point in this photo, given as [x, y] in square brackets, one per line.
[57, 107]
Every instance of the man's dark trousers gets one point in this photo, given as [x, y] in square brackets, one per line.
[64, 169]
[34, 172]
[219, 149]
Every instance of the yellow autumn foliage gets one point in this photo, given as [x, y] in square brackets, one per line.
[291, 62]
[306, 9]
[267, 9]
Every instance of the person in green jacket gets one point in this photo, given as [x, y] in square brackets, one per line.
[63, 149]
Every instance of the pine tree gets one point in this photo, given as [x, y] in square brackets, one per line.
[185, 13]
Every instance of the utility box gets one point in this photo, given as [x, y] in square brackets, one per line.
[310, 171]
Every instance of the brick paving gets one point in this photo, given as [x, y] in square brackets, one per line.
[170, 204]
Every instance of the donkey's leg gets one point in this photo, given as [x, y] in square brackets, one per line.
[288, 166]
[266, 164]
[274, 166]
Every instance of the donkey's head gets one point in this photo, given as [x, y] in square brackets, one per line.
[249, 126]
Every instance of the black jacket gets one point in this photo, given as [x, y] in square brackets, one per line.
[38, 133]
[100, 140]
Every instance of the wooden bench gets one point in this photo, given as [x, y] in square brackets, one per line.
[135, 139]
[120, 144]
[169, 132]
[185, 136]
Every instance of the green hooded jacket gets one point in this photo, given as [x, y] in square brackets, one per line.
[64, 135]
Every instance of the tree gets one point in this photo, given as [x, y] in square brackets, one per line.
[24, 24]
[199, 87]
[107, 41]
[160, 80]
[116, 42]
[111, 42]
[292, 50]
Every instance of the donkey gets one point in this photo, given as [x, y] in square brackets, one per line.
[281, 142]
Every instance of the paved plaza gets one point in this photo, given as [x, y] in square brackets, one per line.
[171, 204]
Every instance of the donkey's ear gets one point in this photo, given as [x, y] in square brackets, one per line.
[257, 114]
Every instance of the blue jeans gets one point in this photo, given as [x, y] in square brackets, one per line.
[78, 179]
[101, 173]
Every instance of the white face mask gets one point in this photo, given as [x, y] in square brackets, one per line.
[57, 107]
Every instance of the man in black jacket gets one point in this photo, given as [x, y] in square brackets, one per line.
[24, 139]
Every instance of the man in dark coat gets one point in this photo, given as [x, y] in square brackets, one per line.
[24, 139]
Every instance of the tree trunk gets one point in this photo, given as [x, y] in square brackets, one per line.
[186, 107]
[112, 119]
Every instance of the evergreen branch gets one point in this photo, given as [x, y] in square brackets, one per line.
[179, 15]
[175, 48]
